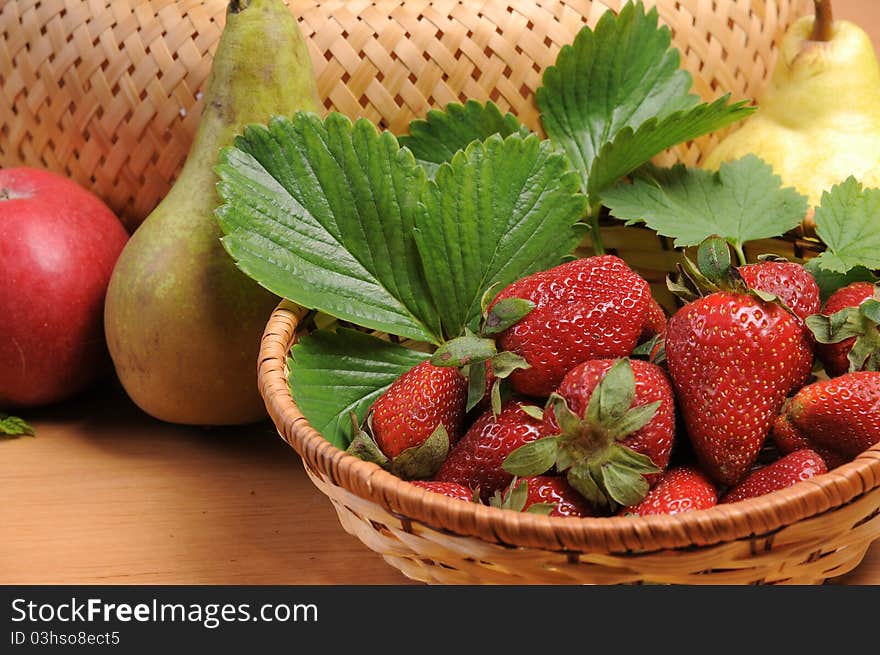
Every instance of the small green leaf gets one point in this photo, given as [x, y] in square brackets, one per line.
[534, 411]
[363, 447]
[613, 396]
[568, 421]
[870, 309]
[435, 139]
[829, 282]
[322, 212]
[626, 457]
[422, 461]
[635, 419]
[744, 201]
[502, 209]
[581, 478]
[476, 385]
[13, 426]
[517, 495]
[541, 509]
[532, 458]
[713, 259]
[848, 223]
[335, 373]
[505, 314]
[495, 397]
[506, 362]
[625, 486]
[838, 327]
[617, 96]
[654, 350]
[487, 298]
[463, 351]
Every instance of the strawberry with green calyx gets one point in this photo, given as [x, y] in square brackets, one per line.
[411, 426]
[451, 489]
[542, 494]
[784, 472]
[589, 308]
[682, 489]
[734, 356]
[611, 427]
[475, 461]
[477, 355]
[838, 418]
[848, 329]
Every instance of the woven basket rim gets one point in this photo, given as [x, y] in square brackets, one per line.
[752, 518]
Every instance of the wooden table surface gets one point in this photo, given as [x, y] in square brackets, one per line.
[105, 494]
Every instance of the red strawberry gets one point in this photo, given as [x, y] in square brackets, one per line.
[861, 328]
[733, 360]
[584, 309]
[475, 461]
[543, 494]
[557, 492]
[788, 281]
[451, 489]
[839, 418]
[655, 321]
[682, 489]
[651, 385]
[794, 467]
[789, 439]
[409, 411]
[594, 441]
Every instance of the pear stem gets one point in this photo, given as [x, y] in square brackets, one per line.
[824, 21]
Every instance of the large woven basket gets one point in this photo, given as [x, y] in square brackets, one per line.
[83, 81]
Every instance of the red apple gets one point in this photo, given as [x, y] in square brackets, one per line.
[58, 244]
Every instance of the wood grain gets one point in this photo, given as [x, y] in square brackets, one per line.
[104, 494]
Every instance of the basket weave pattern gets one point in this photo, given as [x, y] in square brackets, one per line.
[108, 93]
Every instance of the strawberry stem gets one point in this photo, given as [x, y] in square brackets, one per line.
[740, 254]
[593, 212]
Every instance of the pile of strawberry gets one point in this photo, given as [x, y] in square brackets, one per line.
[587, 401]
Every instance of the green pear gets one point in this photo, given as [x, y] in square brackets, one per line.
[183, 324]
[818, 121]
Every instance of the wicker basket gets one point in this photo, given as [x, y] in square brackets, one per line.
[84, 80]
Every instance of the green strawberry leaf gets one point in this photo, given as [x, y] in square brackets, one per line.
[532, 458]
[476, 376]
[435, 139]
[617, 96]
[506, 362]
[848, 223]
[335, 373]
[500, 210]
[743, 201]
[422, 461]
[829, 282]
[613, 396]
[12, 426]
[465, 350]
[322, 213]
[505, 314]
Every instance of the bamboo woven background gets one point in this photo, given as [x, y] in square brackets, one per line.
[108, 93]
[814, 530]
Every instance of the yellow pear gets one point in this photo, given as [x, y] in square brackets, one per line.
[818, 121]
